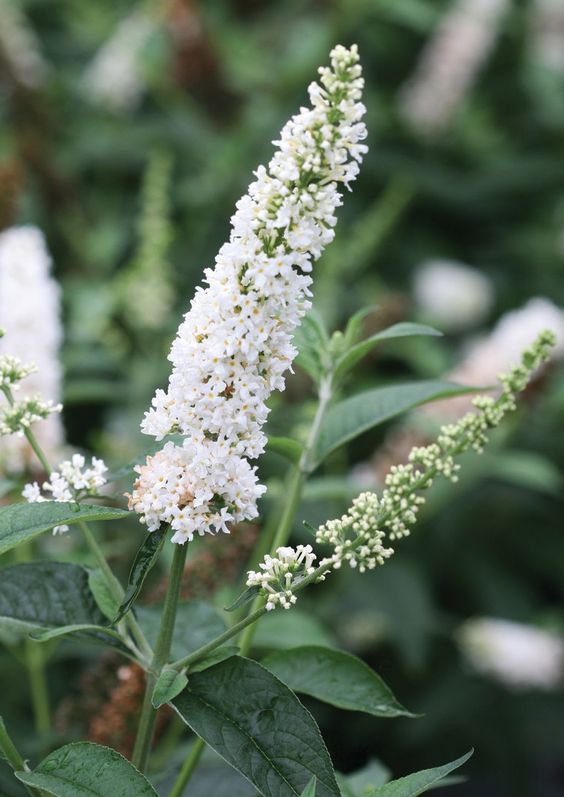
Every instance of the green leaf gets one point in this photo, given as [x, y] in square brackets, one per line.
[84, 769]
[419, 782]
[310, 789]
[170, 683]
[104, 597]
[65, 630]
[196, 623]
[259, 727]
[291, 449]
[311, 340]
[354, 325]
[353, 416]
[365, 780]
[22, 522]
[351, 357]
[525, 469]
[37, 596]
[281, 630]
[337, 678]
[219, 654]
[144, 561]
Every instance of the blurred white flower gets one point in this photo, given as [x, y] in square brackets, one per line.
[115, 77]
[21, 46]
[547, 34]
[452, 295]
[493, 353]
[450, 63]
[30, 316]
[518, 655]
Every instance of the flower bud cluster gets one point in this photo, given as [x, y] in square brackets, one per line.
[71, 482]
[355, 536]
[18, 418]
[12, 371]
[279, 575]
[235, 343]
[400, 501]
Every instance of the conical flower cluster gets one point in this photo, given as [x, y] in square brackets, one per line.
[235, 343]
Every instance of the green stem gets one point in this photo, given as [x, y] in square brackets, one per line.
[35, 661]
[187, 769]
[13, 757]
[160, 658]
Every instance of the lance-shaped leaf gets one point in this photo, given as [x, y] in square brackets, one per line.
[353, 416]
[103, 595]
[353, 329]
[419, 782]
[359, 783]
[37, 596]
[355, 354]
[259, 727]
[84, 769]
[170, 683]
[22, 522]
[311, 340]
[144, 561]
[337, 678]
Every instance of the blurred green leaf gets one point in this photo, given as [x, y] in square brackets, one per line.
[353, 416]
[311, 339]
[337, 678]
[355, 354]
[365, 780]
[280, 630]
[291, 449]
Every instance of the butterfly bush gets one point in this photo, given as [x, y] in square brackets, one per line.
[358, 537]
[30, 316]
[235, 343]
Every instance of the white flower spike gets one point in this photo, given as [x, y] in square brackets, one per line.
[235, 343]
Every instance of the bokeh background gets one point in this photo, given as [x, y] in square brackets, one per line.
[456, 220]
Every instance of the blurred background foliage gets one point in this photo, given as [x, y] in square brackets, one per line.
[132, 168]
